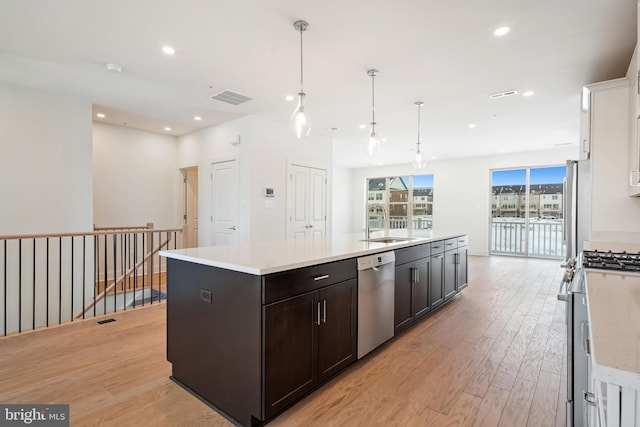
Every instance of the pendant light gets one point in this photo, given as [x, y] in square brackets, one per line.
[373, 142]
[419, 161]
[300, 121]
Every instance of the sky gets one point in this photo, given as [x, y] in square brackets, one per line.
[422, 181]
[549, 175]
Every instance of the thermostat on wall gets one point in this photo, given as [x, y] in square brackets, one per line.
[268, 192]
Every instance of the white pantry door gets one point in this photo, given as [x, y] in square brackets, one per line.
[225, 202]
[307, 206]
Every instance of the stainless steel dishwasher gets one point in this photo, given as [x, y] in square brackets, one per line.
[376, 290]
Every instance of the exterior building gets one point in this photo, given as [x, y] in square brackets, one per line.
[510, 201]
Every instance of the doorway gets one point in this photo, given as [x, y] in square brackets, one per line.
[527, 217]
[190, 206]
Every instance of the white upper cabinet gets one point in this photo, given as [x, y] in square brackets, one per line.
[633, 74]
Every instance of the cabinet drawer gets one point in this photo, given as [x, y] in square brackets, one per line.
[437, 247]
[286, 284]
[463, 241]
[450, 244]
[413, 253]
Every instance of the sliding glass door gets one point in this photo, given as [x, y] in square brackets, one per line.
[527, 212]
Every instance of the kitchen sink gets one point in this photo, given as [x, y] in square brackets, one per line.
[389, 239]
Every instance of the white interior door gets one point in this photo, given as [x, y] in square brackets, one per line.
[317, 202]
[307, 189]
[299, 205]
[225, 202]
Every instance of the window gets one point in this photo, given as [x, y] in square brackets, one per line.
[401, 203]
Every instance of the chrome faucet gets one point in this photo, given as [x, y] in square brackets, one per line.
[384, 220]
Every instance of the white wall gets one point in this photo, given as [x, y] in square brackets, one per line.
[136, 177]
[343, 201]
[45, 162]
[462, 190]
[264, 151]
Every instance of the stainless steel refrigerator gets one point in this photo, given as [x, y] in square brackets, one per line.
[577, 206]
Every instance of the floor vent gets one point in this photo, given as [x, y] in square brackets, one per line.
[503, 94]
[230, 97]
[100, 322]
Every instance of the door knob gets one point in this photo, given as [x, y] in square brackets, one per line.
[232, 228]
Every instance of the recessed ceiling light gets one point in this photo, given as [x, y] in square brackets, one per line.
[363, 126]
[100, 115]
[116, 68]
[433, 157]
[289, 98]
[502, 150]
[168, 129]
[501, 31]
[528, 93]
[198, 118]
[383, 140]
[472, 125]
[168, 50]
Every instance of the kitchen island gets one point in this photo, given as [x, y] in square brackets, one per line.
[253, 328]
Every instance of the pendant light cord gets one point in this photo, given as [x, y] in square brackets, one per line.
[301, 68]
[419, 107]
[373, 102]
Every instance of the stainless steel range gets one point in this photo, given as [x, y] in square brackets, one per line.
[572, 290]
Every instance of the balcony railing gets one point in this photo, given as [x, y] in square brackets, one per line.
[509, 236]
[401, 223]
[57, 278]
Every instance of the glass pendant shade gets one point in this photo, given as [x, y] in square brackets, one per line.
[300, 121]
[373, 143]
[419, 161]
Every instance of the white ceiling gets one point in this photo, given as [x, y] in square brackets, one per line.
[439, 52]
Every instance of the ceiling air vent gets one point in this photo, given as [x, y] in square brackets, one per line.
[230, 97]
[503, 94]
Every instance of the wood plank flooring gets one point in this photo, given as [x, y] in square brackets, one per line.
[494, 356]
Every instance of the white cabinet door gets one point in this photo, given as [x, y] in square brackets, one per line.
[307, 202]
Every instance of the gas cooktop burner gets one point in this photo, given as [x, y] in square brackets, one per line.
[621, 261]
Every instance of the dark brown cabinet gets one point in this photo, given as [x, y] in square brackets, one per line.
[450, 273]
[290, 348]
[461, 268]
[436, 280]
[307, 339]
[411, 286]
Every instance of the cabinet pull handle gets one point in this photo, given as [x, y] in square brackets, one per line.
[417, 275]
[324, 311]
[318, 317]
[324, 276]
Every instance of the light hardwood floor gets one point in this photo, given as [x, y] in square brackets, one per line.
[494, 356]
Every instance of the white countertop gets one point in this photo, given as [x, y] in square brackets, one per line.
[613, 300]
[261, 258]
